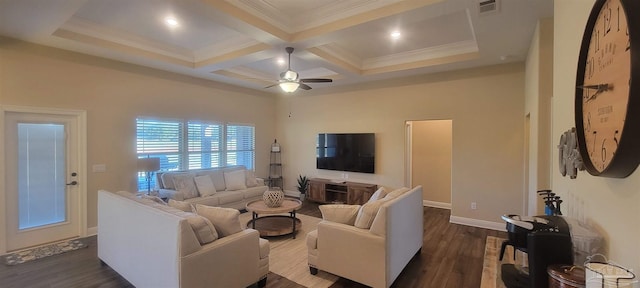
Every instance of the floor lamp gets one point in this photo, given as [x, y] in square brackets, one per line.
[148, 166]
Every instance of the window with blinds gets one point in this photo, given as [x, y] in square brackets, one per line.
[205, 145]
[240, 145]
[185, 145]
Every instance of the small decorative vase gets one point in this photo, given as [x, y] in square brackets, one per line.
[273, 198]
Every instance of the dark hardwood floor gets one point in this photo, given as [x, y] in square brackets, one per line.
[451, 256]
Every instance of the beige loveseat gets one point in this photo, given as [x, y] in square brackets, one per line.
[229, 191]
[154, 245]
[373, 256]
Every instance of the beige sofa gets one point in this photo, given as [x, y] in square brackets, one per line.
[154, 245]
[374, 256]
[225, 196]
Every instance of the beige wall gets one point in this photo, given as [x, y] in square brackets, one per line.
[538, 94]
[609, 204]
[431, 159]
[486, 106]
[114, 94]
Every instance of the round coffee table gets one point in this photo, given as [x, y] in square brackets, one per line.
[274, 225]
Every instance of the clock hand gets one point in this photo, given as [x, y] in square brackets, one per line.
[600, 88]
[595, 86]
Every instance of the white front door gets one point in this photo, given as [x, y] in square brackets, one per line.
[44, 188]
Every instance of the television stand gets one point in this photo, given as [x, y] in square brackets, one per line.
[330, 191]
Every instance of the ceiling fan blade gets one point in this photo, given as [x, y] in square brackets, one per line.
[304, 86]
[316, 80]
[271, 85]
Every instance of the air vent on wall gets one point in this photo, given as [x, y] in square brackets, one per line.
[487, 6]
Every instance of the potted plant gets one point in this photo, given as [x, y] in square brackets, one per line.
[303, 185]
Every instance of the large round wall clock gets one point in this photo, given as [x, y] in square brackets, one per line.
[607, 99]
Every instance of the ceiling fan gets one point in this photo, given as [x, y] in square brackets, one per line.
[289, 80]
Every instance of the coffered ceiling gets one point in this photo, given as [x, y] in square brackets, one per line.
[240, 41]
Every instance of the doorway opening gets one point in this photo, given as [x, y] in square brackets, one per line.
[429, 159]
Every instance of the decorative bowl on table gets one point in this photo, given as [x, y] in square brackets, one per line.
[273, 197]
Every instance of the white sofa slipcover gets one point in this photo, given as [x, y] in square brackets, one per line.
[236, 199]
[151, 247]
[375, 256]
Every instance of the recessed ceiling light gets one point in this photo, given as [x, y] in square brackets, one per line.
[280, 61]
[395, 35]
[171, 22]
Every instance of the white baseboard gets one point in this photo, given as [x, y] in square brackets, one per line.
[92, 231]
[435, 204]
[292, 193]
[478, 223]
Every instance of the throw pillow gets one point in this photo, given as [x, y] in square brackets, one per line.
[367, 213]
[234, 180]
[379, 194]
[250, 177]
[184, 184]
[205, 185]
[202, 227]
[345, 214]
[396, 193]
[167, 179]
[154, 199]
[184, 206]
[226, 220]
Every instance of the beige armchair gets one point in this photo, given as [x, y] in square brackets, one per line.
[374, 256]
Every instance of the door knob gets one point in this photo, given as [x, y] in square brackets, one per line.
[73, 183]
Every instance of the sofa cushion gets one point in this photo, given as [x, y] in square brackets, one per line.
[209, 200]
[368, 212]
[217, 177]
[396, 193]
[203, 228]
[345, 214]
[167, 179]
[235, 180]
[226, 220]
[204, 185]
[218, 180]
[181, 205]
[250, 178]
[155, 199]
[184, 183]
[378, 226]
[226, 197]
[379, 194]
[254, 192]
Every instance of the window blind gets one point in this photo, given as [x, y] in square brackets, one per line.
[184, 145]
[161, 139]
[241, 145]
[204, 145]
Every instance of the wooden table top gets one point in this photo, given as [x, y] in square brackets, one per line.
[288, 205]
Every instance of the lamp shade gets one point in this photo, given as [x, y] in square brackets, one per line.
[148, 164]
[289, 86]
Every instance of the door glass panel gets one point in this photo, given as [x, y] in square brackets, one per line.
[41, 175]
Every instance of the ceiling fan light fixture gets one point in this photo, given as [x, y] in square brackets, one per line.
[290, 75]
[171, 22]
[289, 86]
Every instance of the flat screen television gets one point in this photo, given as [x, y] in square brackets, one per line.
[352, 152]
